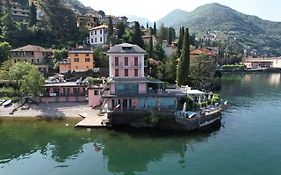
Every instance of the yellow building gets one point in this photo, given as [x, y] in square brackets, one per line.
[86, 21]
[78, 61]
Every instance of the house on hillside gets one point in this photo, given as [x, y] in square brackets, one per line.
[129, 89]
[99, 35]
[36, 55]
[87, 21]
[19, 12]
[203, 51]
[78, 60]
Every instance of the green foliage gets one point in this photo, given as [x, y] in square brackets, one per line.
[33, 15]
[120, 26]
[9, 92]
[180, 41]
[94, 81]
[59, 55]
[32, 83]
[233, 67]
[4, 69]
[5, 48]
[110, 30]
[184, 61]
[19, 70]
[202, 72]
[171, 67]
[101, 59]
[137, 35]
[154, 29]
[159, 53]
[150, 47]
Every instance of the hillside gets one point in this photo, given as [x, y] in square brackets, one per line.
[223, 23]
[172, 17]
[141, 20]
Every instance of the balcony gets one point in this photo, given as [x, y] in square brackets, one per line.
[122, 65]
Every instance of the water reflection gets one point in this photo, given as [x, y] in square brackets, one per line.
[126, 152]
[129, 153]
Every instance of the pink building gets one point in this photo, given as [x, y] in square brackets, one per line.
[129, 88]
[64, 92]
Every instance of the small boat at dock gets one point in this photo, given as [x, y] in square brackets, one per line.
[7, 103]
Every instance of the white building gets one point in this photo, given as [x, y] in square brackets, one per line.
[99, 35]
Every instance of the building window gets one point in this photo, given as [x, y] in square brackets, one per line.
[100, 31]
[91, 32]
[96, 40]
[126, 61]
[136, 59]
[96, 92]
[92, 40]
[136, 72]
[100, 39]
[76, 54]
[95, 32]
[37, 60]
[116, 72]
[32, 60]
[116, 61]
[76, 59]
[87, 59]
[87, 54]
[126, 72]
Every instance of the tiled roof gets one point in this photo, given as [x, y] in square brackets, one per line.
[32, 48]
[202, 51]
[126, 48]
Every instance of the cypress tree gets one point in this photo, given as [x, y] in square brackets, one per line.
[137, 35]
[184, 61]
[170, 36]
[150, 47]
[33, 15]
[154, 29]
[180, 41]
[110, 30]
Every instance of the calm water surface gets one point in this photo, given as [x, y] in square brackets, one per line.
[248, 141]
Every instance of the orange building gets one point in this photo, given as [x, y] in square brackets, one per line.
[78, 61]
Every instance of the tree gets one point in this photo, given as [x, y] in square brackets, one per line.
[137, 35]
[32, 83]
[171, 68]
[121, 27]
[159, 52]
[33, 15]
[110, 30]
[5, 48]
[19, 70]
[180, 41]
[29, 78]
[184, 61]
[150, 47]
[163, 33]
[100, 12]
[62, 22]
[154, 28]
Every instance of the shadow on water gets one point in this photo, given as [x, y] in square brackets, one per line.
[129, 150]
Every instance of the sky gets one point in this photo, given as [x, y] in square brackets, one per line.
[155, 9]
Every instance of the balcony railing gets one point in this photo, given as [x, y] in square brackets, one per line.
[122, 65]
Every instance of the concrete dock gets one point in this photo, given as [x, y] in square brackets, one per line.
[93, 120]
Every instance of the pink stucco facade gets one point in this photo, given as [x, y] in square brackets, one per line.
[94, 96]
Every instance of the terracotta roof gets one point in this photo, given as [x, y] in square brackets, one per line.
[202, 51]
[32, 48]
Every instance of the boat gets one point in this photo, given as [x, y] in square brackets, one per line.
[7, 103]
[190, 120]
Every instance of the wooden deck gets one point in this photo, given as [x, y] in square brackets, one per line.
[93, 120]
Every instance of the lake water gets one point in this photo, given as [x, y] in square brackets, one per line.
[248, 142]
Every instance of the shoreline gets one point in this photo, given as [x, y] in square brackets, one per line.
[49, 110]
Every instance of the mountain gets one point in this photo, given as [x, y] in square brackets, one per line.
[141, 20]
[170, 18]
[222, 22]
